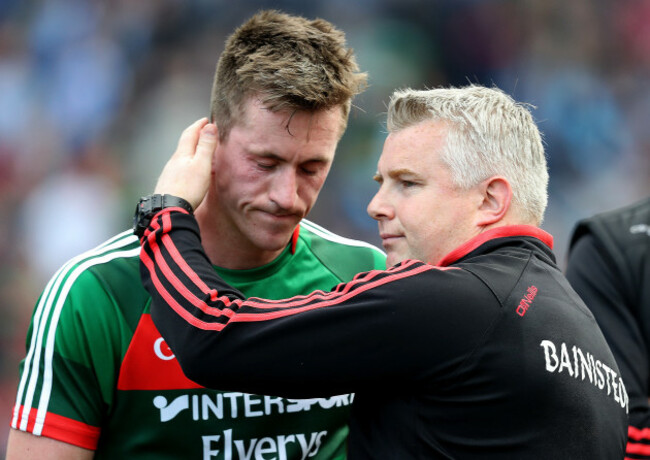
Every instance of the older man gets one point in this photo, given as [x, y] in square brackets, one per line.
[472, 345]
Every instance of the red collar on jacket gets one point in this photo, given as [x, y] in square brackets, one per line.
[498, 232]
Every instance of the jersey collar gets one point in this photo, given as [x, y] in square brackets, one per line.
[498, 232]
[236, 276]
[294, 239]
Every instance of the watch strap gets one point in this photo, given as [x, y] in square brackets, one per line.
[150, 205]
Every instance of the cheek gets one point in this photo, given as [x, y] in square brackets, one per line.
[412, 215]
[226, 172]
[309, 189]
[240, 187]
[421, 221]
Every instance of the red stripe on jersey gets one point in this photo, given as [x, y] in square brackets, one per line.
[294, 239]
[296, 301]
[154, 219]
[186, 315]
[65, 429]
[638, 449]
[638, 434]
[182, 264]
[336, 298]
[214, 296]
[361, 279]
[343, 288]
[289, 306]
[178, 285]
[285, 307]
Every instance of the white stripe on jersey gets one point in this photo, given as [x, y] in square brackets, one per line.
[95, 256]
[324, 233]
[32, 360]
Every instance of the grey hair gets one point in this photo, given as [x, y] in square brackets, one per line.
[489, 134]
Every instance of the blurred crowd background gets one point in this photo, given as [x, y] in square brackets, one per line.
[94, 94]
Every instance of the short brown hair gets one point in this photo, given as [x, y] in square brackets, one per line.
[288, 61]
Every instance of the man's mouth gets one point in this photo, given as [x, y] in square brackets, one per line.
[280, 216]
[388, 238]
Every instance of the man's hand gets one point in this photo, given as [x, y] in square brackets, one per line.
[187, 173]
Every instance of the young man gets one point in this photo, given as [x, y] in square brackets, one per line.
[98, 380]
[473, 345]
[609, 267]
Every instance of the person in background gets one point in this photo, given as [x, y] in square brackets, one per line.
[472, 345]
[99, 381]
[609, 267]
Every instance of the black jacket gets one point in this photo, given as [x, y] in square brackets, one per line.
[609, 267]
[490, 355]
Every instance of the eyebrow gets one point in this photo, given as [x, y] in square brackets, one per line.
[395, 173]
[274, 156]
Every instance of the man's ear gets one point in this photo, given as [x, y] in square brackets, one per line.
[496, 198]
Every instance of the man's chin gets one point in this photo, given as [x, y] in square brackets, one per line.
[394, 259]
[273, 241]
[271, 234]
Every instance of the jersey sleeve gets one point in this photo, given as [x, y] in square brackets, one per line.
[362, 332]
[595, 277]
[67, 377]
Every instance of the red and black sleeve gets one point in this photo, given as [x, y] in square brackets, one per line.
[325, 343]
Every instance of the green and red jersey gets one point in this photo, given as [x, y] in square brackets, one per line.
[97, 373]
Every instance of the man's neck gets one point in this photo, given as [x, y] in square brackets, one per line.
[226, 248]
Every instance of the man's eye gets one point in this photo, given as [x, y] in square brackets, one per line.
[408, 184]
[309, 171]
[266, 166]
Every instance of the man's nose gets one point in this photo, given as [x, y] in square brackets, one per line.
[379, 208]
[284, 189]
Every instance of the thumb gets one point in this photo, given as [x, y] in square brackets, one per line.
[187, 173]
[206, 145]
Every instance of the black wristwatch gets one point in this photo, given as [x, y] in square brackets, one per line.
[149, 205]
